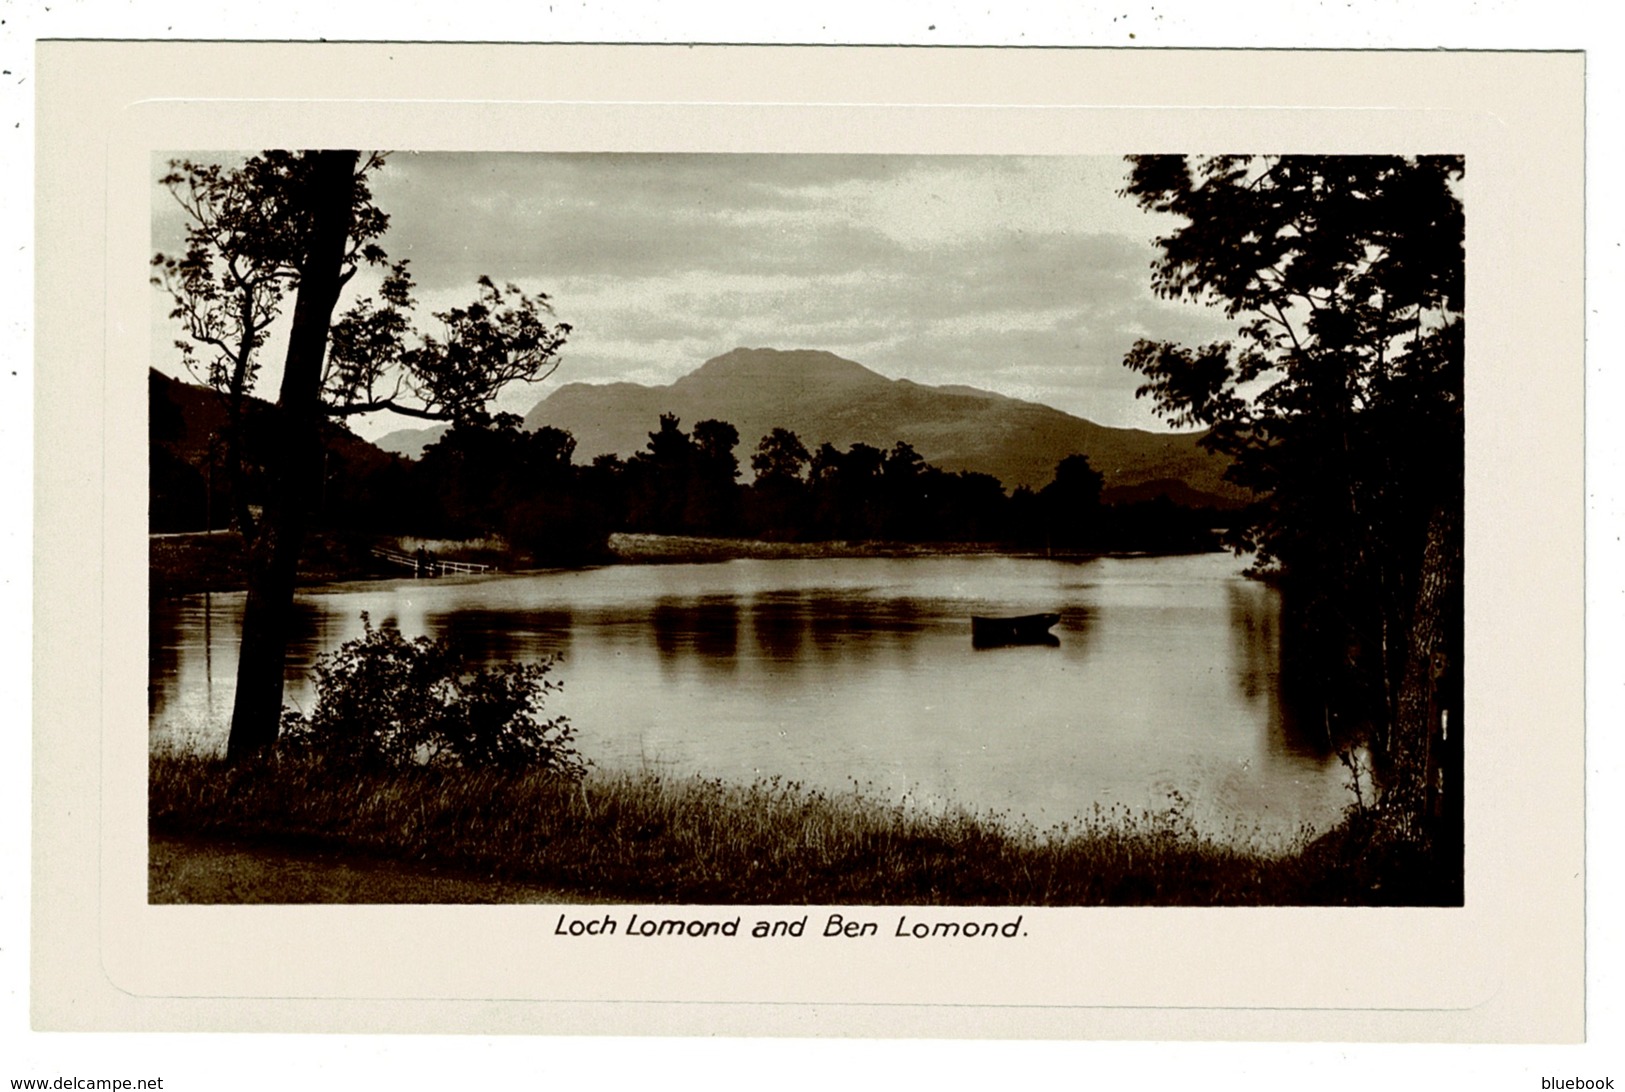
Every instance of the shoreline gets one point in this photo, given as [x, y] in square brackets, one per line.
[187, 563]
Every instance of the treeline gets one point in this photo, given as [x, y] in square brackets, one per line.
[497, 479]
[527, 487]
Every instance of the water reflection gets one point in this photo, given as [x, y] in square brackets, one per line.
[487, 634]
[778, 623]
[788, 628]
[1077, 625]
[1258, 637]
[701, 632]
[1254, 625]
[163, 654]
[716, 631]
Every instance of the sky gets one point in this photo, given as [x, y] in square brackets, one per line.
[1028, 276]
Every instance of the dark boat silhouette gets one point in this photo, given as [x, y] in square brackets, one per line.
[1021, 629]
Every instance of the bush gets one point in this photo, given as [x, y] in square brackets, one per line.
[386, 702]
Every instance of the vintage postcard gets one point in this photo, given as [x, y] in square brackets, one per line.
[810, 541]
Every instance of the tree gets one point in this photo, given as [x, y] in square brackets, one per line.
[847, 501]
[781, 462]
[305, 223]
[780, 456]
[713, 500]
[1071, 503]
[660, 478]
[1340, 404]
[466, 478]
[248, 232]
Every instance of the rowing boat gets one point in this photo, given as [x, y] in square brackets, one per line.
[1021, 629]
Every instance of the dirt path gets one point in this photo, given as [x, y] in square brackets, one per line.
[195, 870]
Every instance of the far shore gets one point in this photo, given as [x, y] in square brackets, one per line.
[186, 563]
[644, 549]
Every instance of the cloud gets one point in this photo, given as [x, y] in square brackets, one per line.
[554, 216]
[1024, 275]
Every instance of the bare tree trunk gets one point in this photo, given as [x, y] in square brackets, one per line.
[1427, 738]
[295, 461]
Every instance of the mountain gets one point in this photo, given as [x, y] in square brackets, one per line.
[410, 442]
[825, 398]
[186, 419]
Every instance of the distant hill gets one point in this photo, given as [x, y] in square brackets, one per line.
[185, 420]
[410, 442]
[186, 417]
[825, 398]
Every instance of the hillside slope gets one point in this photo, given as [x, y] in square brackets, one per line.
[825, 398]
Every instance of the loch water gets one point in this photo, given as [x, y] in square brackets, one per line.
[1162, 689]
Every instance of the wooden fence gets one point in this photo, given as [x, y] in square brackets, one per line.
[429, 565]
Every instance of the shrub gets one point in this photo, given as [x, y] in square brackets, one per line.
[386, 702]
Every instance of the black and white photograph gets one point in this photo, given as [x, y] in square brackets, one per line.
[806, 529]
[886, 543]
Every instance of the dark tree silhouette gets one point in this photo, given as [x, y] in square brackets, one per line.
[846, 494]
[248, 236]
[468, 477]
[659, 478]
[781, 463]
[713, 493]
[1340, 403]
[1070, 504]
[547, 508]
[304, 222]
[781, 457]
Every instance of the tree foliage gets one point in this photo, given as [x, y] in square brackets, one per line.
[386, 702]
[498, 480]
[1339, 400]
[378, 361]
[249, 233]
[1346, 275]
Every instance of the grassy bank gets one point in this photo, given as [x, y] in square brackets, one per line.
[642, 838]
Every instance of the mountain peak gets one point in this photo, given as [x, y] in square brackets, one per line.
[800, 366]
[824, 398]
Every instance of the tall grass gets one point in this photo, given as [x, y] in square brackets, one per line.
[642, 837]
